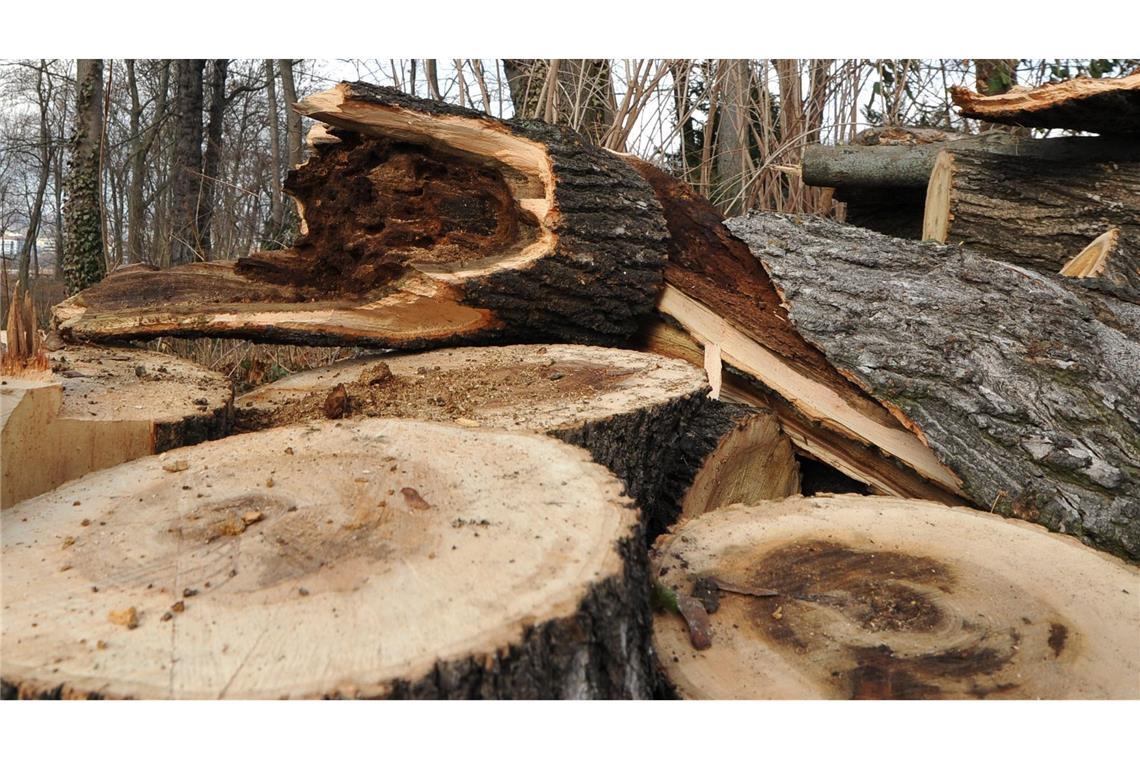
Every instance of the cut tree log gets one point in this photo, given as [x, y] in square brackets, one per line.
[1035, 213]
[1107, 260]
[424, 224]
[884, 598]
[379, 558]
[1105, 106]
[95, 408]
[1027, 385]
[718, 293]
[647, 418]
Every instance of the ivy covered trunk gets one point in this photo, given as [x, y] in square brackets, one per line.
[83, 263]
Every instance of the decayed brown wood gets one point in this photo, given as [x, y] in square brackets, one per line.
[720, 295]
[424, 224]
[378, 558]
[884, 598]
[1027, 385]
[92, 409]
[1032, 212]
[646, 417]
[1106, 106]
[23, 349]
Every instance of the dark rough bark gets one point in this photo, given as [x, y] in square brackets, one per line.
[186, 187]
[1026, 385]
[82, 262]
[1105, 106]
[602, 275]
[1040, 213]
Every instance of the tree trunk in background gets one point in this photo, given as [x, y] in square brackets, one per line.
[292, 118]
[432, 79]
[581, 95]
[732, 158]
[140, 149]
[212, 162]
[275, 205]
[83, 263]
[187, 185]
[36, 211]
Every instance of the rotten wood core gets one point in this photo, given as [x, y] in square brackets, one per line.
[1025, 385]
[885, 598]
[1105, 106]
[423, 224]
[648, 418]
[95, 408]
[378, 558]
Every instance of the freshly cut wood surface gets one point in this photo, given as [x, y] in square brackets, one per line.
[95, 408]
[719, 293]
[1026, 385]
[884, 598]
[1106, 106]
[648, 418]
[1034, 212]
[424, 224]
[376, 558]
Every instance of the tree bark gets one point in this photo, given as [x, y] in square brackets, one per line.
[83, 262]
[211, 164]
[1104, 106]
[407, 559]
[721, 297]
[1031, 212]
[649, 419]
[276, 208]
[98, 408]
[140, 151]
[856, 597]
[517, 229]
[292, 117]
[1026, 385]
[187, 186]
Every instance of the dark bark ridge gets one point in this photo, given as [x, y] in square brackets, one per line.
[1026, 385]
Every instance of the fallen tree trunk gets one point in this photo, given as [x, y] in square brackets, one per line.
[1035, 213]
[1026, 385]
[96, 408]
[854, 597]
[1106, 106]
[424, 224]
[649, 419]
[385, 558]
[720, 295]
[850, 168]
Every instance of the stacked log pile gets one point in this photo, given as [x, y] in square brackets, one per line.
[586, 464]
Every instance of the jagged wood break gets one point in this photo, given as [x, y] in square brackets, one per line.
[375, 558]
[724, 301]
[1105, 106]
[649, 419]
[93, 408]
[423, 224]
[1034, 212]
[884, 598]
[1027, 385]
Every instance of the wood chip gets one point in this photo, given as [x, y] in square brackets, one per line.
[466, 422]
[413, 498]
[734, 588]
[253, 516]
[178, 465]
[128, 617]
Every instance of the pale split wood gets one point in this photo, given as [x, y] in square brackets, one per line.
[881, 597]
[97, 408]
[1091, 261]
[936, 216]
[328, 559]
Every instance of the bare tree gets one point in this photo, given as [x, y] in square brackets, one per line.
[187, 186]
[292, 118]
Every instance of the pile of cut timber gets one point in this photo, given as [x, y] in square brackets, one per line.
[405, 524]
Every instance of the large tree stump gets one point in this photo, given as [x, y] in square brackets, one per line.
[96, 408]
[424, 224]
[1027, 385]
[381, 558]
[649, 419]
[858, 597]
[1036, 213]
[719, 294]
[1107, 106]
